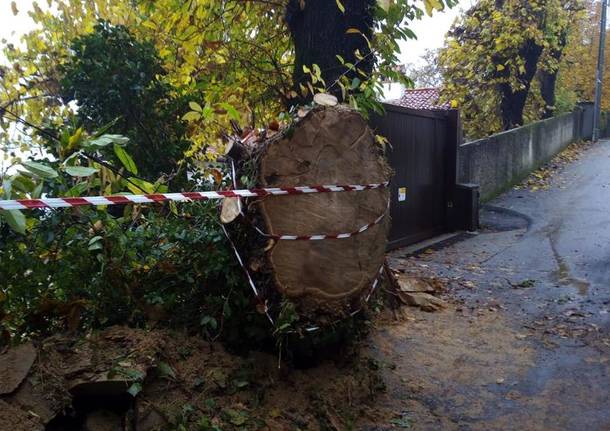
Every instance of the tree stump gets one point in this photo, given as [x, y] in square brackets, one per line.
[325, 279]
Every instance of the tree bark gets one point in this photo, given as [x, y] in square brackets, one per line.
[548, 78]
[513, 101]
[548, 81]
[319, 31]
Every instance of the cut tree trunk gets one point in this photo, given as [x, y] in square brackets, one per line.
[325, 279]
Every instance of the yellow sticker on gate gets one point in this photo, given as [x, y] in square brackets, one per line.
[402, 194]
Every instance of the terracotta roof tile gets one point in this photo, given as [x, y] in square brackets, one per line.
[421, 98]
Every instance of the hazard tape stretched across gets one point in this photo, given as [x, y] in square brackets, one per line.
[67, 202]
[320, 237]
[257, 295]
[23, 204]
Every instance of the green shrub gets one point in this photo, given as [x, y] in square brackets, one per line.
[113, 77]
[84, 268]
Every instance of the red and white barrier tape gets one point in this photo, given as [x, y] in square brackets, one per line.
[262, 301]
[66, 202]
[323, 236]
[257, 295]
[22, 204]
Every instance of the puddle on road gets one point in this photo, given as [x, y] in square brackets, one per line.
[565, 279]
[563, 275]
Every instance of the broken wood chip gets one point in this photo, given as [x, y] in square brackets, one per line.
[231, 208]
[325, 99]
[423, 300]
[419, 284]
[269, 245]
[15, 365]
[256, 264]
[418, 292]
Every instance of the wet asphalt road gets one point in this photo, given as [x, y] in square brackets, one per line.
[566, 248]
[525, 344]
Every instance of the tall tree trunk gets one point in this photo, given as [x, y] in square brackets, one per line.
[512, 106]
[513, 101]
[319, 30]
[548, 80]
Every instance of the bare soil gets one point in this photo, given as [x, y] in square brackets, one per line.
[184, 382]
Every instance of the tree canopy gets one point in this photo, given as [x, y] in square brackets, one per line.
[494, 53]
[116, 80]
[577, 70]
[236, 57]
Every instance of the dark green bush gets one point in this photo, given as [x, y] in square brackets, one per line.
[83, 269]
[113, 76]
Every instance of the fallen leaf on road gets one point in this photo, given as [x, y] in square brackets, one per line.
[425, 301]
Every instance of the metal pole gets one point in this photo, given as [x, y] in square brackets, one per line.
[599, 77]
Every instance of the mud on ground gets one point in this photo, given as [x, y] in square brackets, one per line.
[182, 382]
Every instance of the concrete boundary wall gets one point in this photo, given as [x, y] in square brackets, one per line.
[498, 162]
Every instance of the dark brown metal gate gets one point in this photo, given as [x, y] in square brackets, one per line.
[423, 155]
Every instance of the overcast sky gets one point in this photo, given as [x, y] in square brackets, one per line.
[12, 26]
[431, 32]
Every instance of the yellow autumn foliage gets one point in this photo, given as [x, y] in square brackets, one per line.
[238, 54]
[488, 50]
